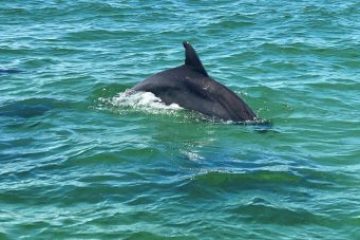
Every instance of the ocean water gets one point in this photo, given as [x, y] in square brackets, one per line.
[79, 160]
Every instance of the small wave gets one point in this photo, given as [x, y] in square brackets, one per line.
[265, 212]
[223, 177]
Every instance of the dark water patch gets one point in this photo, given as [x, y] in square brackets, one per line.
[265, 179]
[238, 59]
[91, 194]
[20, 51]
[9, 71]
[29, 108]
[286, 49]
[97, 8]
[127, 219]
[267, 213]
[26, 109]
[327, 179]
[11, 11]
[151, 236]
[91, 35]
[279, 65]
[88, 156]
[53, 11]
[129, 188]
[6, 144]
[223, 178]
[229, 24]
[23, 195]
[60, 51]
[116, 177]
[39, 62]
[336, 85]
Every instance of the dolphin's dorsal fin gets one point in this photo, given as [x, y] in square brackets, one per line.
[192, 60]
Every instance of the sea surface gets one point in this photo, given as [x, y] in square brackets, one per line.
[80, 160]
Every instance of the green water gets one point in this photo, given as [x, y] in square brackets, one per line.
[75, 164]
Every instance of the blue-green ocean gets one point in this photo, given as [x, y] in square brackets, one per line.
[78, 160]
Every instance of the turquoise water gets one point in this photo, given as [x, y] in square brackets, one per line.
[77, 163]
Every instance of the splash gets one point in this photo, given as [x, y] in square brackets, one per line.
[144, 101]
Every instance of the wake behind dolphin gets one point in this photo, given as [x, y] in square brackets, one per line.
[190, 86]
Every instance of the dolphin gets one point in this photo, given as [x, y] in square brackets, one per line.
[190, 86]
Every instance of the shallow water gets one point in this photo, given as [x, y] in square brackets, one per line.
[78, 163]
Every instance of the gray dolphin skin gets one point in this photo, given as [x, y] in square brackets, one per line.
[190, 86]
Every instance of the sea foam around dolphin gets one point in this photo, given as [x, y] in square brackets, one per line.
[143, 101]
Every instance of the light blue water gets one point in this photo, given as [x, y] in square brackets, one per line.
[77, 163]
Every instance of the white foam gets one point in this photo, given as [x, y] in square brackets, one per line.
[193, 155]
[145, 101]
